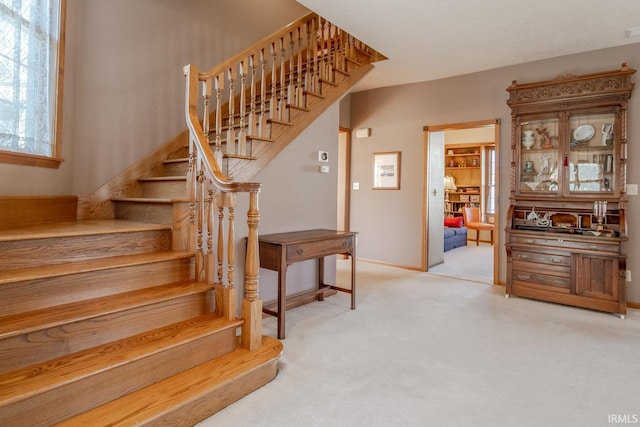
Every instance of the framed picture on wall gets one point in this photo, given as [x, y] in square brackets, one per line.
[386, 170]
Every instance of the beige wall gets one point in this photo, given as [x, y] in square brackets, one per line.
[124, 88]
[390, 222]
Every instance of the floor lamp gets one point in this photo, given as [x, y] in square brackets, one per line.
[449, 185]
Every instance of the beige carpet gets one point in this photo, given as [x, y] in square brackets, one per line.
[427, 350]
[471, 262]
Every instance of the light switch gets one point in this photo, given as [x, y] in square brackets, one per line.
[324, 169]
[356, 186]
[632, 189]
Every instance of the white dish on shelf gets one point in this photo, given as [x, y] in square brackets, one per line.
[584, 133]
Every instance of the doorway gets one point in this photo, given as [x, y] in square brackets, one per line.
[484, 137]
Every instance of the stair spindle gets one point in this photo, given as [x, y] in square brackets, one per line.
[282, 95]
[300, 101]
[252, 121]
[242, 133]
[231, 131]
[273, 101]
[262, 119]
[219, 87]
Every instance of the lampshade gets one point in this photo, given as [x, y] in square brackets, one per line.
[449, 183]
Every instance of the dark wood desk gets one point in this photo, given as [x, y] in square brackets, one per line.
[278, 251]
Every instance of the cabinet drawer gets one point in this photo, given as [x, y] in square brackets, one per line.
[317, 249]
[551, 259]
[541, 280]
[567, 243]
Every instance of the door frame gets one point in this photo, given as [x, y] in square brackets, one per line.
[346, 163]
[426, 185]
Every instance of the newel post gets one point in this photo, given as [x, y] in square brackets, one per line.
[251, 303]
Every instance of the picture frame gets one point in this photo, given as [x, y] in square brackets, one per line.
[386, 170]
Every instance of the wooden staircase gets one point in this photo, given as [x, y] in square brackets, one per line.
[118, 308]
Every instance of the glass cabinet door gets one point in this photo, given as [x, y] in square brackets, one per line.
[540, 162]
[591, 159]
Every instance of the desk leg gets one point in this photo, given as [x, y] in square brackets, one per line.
[282, 299]
[320, 277]
[353, 279]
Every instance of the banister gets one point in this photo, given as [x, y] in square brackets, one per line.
[290, 69]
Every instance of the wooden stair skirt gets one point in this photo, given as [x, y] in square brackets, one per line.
[102, 321]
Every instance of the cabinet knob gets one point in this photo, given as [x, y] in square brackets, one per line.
[556, 260]
[524, 277]
[299, 251]
[594, 247]
[523, 256]
[529, 241]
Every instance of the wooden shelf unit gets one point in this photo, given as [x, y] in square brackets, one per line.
[464, 163]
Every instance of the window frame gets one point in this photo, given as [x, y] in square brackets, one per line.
[53, 161]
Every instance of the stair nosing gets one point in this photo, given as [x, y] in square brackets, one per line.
[270, 351]
[73, 228]
[50, 317]
[162, 178]
[87, 266]
[163, 339]
[150, 199]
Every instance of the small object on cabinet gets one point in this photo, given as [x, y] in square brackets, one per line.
[528, 166]
[607, 133]
[528, 140]
[545, 142]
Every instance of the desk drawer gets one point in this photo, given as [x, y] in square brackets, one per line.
[320, 248]
[540, 280]
[551, 259]
[567, 243]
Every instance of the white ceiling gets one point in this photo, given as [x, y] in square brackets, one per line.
[432, 39]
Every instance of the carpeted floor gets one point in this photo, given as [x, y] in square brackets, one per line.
[471, 262]
[427, 350]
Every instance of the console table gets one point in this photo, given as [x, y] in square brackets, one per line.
[278, 251]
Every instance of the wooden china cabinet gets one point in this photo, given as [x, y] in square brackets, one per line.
[566, 236]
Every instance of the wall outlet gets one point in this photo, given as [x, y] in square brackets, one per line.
[628, 279]
[632, 189]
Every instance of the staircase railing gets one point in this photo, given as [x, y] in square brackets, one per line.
[230, 109]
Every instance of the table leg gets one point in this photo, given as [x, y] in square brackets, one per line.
[353, 279]
[282, 299]
[320, 277]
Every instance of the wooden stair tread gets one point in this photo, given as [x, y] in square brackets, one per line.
[97, 264]
[238, 156]
[312, 93]
[25, 382]
[280, 122]
[77, 228]
[36, 320]
[149, 199]
[298, 107]
[162, 178]
[160, 398]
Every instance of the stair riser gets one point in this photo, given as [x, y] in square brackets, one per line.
[86, 393]
[175, 169]
[36, 347]
[36, 252]
[164, 189]
[214, 400]
[153, 213]
[48, 292]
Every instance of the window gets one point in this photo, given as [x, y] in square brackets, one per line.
[490, 201]
[31, 54]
